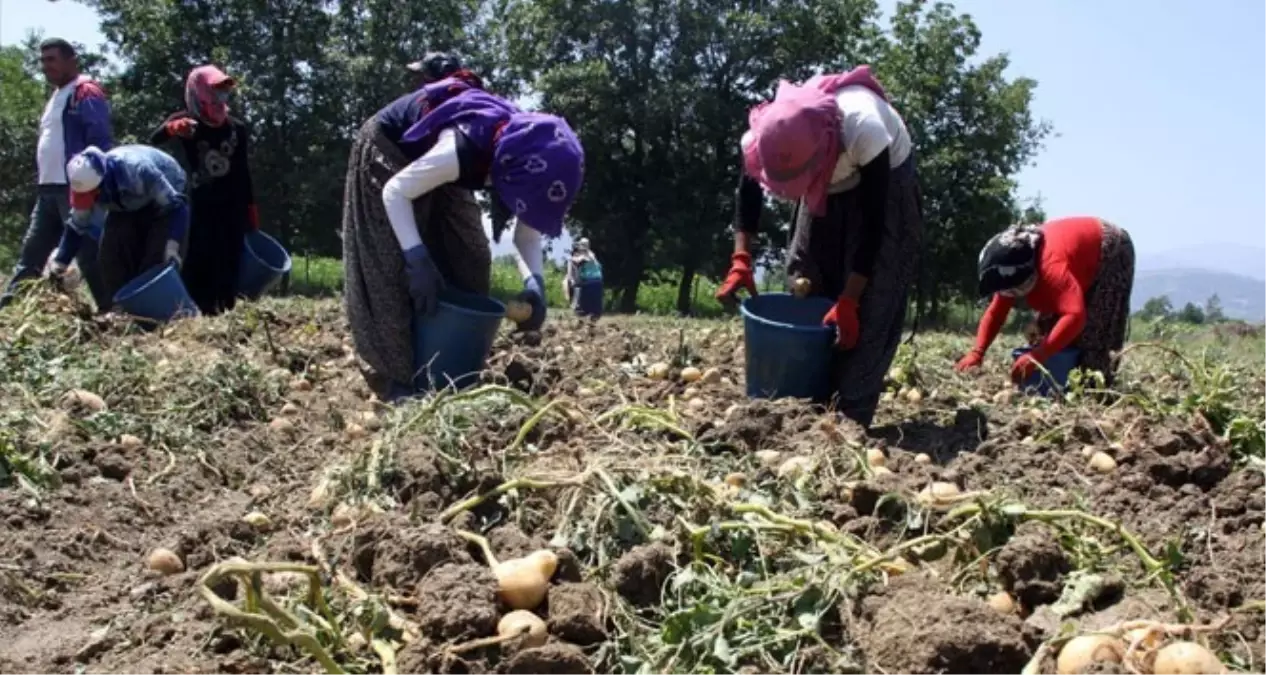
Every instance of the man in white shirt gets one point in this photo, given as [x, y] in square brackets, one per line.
[76, 116]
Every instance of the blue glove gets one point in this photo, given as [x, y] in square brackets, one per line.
[425, 280]
[534, 294]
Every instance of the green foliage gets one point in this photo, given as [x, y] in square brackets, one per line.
[658, 92]
[21, 103]
[1157, 308]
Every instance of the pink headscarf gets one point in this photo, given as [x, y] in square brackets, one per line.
[795, 139]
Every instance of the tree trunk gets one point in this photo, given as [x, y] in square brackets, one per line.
[684, 288]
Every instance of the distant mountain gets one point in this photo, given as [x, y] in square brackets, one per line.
[1242, 297]
[1242, 259]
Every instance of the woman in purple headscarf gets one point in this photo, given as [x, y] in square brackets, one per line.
[411, 225]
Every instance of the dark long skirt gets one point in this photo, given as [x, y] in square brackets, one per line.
[215, 252]
[131, 243]
[822, 251]
[376, 295]
[1107, 305]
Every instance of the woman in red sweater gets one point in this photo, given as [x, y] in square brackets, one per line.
[1077, 273]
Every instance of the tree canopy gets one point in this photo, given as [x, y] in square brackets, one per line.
[657, 90]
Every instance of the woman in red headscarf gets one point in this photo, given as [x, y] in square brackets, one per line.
[213, 148]
[836, 145]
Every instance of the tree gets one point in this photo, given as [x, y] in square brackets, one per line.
[1191, 313]
[1157, 308]
[1213, 312]
[310, 72]
[658, 93]
[973, 130]
[21, 103]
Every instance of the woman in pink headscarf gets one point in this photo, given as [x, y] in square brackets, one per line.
[212, 146]
[836, 145]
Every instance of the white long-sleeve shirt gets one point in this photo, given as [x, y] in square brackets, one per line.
[440, 166]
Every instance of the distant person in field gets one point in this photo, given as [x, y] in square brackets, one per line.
[137, 195]
[1077, 273]
[582, 284]
[213, 147]
[411, 224]
[75, 117]
[837, 146]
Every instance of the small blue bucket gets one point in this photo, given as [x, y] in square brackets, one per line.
[788, 349]
[451, 346]
[589, 302]
[1060, 365]
[264, 263]
[158, 294]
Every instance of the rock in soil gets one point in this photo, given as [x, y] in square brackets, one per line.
[458, 602]
[394, 553]
[557, 657]
[911, 629]
[639, 575]
[1032, 565]
[576, 613]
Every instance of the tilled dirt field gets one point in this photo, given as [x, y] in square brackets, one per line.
[695, 530]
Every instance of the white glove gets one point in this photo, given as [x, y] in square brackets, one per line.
[172, 252]
[56, 269]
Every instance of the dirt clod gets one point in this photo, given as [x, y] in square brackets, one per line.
[1032, 565]
[556, 658]
[458, 602]
[640, 574]
[910, 629]
[576, 613]
[398, 554]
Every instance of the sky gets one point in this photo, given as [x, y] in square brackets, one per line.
[1159, 110]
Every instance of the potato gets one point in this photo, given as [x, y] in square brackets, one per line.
[290, 409]
[282, 425]
[794, 467]
[711, 376]
[83, 401]
[354, 431]
[923, 458]
[801, 287]
[938, 493]
[165, 562]
[518, 311]
[1084, 651]
[523, 623]
[300, 384]
[875, 457]
[1186, 658]
[658, 371]
[130, 442]
[1102, 462]
[257, 520]
[691, 374]
[1002, 602]
[736, 479]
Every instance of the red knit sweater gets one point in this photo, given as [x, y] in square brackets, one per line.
[1067, 267]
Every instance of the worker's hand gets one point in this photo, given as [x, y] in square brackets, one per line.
[801, 287]
[971, 361]
[56, 270]
[739, 278]
[843, 315]
[534, 294]
[171, 254]
[425, 280]
[1024, 367]
[183, 127]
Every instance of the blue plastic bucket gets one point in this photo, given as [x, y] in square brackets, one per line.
[264, 262]
[1060, 365]
[589, 300]
[788, 349]
[451, 346]
[158, 295]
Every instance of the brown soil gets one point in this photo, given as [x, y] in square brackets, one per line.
[75, 594]
[912, 627]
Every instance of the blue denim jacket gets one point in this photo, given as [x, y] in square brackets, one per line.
[135, 177]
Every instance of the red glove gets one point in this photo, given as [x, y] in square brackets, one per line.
[971, 361]
[1024, 367]
[740, 277]
[182, 127]
[844, 317]
[252, 216]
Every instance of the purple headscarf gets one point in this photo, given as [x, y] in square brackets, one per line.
[537, 161]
